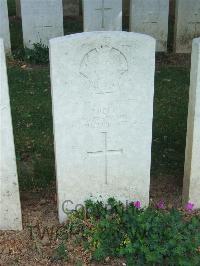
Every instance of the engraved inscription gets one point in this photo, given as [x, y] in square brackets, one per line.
[105, 116]
[98, 123]
[105, 152]
[104, 67]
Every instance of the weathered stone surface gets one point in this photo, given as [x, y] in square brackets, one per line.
[102, 15]
[102, 109]
[191, 185]
[151, 17]
[187, 24]
[4, 25]
[41, 21]
[10, 210]
[71, 8]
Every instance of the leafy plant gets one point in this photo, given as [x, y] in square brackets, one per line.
[61, 252]
[39, 54]
[149, 236]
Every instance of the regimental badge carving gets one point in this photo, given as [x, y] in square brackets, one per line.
[104, 67]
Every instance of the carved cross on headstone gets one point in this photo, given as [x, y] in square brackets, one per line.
[103, 9]
[105, 152]
[196, 21]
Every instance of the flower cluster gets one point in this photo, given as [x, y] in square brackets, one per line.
[161, 205]
[189, 207]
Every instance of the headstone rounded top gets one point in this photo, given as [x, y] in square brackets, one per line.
[104, 34]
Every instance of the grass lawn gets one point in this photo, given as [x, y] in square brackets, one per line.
[170, 120]
[31, 110]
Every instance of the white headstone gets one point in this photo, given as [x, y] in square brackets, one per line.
[4, 25]
[187, 24]
[71, 8]
[102, 109]
[151, 17]
[10, 210]
[191, 184]
[102, 15]
[41, 21]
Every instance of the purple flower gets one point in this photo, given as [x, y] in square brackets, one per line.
[189, 207]
[137, 204]
[160, 204]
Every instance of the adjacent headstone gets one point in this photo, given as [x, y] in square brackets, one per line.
[102, 15]
[102, 109]
[4, 25]
[187, 24]
[18, 8]
[191, 184]
[151, 17]
[71, 8]
[10, 210]
[41, 21]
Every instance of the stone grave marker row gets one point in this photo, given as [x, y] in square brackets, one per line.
[146, 16]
